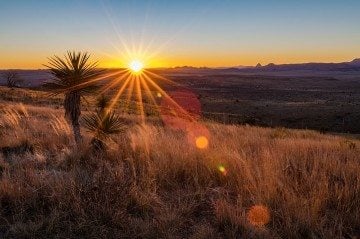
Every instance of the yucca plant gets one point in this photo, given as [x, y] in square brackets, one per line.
[73, 77]
[103, 123]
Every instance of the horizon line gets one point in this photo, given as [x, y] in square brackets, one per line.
[208, 67]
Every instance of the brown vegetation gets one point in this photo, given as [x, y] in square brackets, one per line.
[151, 183]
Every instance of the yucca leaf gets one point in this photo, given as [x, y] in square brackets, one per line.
[73, 73]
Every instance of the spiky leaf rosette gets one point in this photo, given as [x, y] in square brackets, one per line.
[73, 73]
[104, 125]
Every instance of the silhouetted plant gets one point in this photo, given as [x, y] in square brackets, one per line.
[103, 123]
[72, 77]
[12, 79]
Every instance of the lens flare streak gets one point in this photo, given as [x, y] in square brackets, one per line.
[137, 83]
[179, 109]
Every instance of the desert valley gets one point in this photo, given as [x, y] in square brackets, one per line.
[179, 119]
[254, 178]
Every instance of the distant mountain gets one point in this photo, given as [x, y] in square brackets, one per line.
[35, 78]
[344, 66]
[302, 68]
[353, 65]
[241, 67]
[355, 62]
[31, 78]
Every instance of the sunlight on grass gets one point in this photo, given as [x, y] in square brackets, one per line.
[243, 185]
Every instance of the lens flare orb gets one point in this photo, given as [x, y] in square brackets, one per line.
[201, 142]
[222, 170]
[258, 215]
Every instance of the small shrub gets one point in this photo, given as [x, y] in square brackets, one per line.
[279, 133]
[348, 144]
[12, 79]
[103, 123]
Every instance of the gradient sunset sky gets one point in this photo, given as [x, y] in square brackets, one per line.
[177, 33]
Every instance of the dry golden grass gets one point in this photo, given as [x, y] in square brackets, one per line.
[248, 183]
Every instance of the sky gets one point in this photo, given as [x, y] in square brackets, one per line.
[161, 33]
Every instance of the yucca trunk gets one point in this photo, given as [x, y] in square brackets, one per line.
[73, 112]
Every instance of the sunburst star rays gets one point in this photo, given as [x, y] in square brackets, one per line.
[134, 86]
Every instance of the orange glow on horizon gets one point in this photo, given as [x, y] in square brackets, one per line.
[34, 61]
[152, 57]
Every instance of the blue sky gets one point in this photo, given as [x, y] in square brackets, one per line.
[201, 33]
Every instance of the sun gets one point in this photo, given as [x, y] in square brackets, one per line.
[136, 66]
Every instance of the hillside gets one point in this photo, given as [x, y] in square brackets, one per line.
[343, 66]
[326, 101]
[34, 78]
[249, 182]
